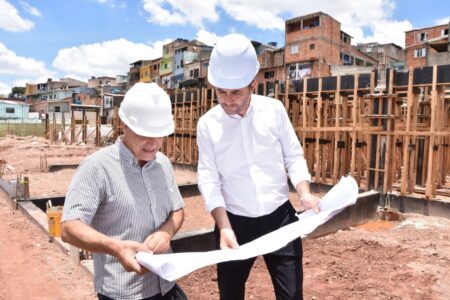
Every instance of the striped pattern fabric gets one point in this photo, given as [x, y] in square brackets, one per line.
[114, 195]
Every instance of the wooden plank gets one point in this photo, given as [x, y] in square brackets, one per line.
[317, 152]
[354, 125]
[430, 190]
[389, 145]
[406, 139]
[337, 157]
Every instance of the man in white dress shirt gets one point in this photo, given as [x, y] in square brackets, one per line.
[246, 144]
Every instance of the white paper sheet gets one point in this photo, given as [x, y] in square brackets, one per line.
[175, 265]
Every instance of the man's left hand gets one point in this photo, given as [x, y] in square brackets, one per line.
[158, 242]
[310, 201]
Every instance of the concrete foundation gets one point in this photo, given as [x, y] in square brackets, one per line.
[363, 211]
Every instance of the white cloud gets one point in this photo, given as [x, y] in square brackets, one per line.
[384, 32]
[17, 70]
[4, 89]
[30, 9]
[195, 12]
[113, 3]
[442, 21]
[356, 17]
[10, 19]
[108, 58]
[12, 64]
[363, 19]
[206, 37]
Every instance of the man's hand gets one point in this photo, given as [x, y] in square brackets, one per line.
[158, 242]
[126, 255]
[310, 201]
[228, 239]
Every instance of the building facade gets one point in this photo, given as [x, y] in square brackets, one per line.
[427, 46]
[314, 43]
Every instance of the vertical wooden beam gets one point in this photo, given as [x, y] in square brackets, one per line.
[406, 137]
[354, 125]
[317, 152]
[183, 129]
[98, 132]
[337, 102]
[430, 190]
[389, 144]
[286, 96]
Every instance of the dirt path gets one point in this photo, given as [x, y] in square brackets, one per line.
[396, 260]
[33, 268]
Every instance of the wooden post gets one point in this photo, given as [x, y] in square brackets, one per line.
[354, 125]
[406, 138]
[337, 101]
[84, 127]
[317, 152]
[98, 133]
[389, 128]
[430, 191]
[72, 127]
[305, 120]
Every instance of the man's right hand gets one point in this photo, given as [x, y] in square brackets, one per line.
[228, 239]
[126, 255]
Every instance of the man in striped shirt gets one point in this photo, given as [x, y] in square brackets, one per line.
[124, 199]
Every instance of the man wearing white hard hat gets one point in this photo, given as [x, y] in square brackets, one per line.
[246, 144]
[124, 199]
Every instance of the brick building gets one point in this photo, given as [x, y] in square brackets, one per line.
[427, 46]
[315, 42]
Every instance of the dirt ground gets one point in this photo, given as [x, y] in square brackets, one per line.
[380, 260]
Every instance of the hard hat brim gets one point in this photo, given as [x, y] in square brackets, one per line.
[155, 132]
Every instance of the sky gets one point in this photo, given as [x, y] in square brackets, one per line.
[42, 39]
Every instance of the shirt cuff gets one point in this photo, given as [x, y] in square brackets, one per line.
[297, 178]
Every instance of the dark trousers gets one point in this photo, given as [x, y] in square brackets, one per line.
[176, 293]
[284, 265]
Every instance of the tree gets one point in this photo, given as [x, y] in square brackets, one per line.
[17, 91]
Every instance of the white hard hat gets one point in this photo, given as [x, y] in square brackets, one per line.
[233, 63]
[146, 109]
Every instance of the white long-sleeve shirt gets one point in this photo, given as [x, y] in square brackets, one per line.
[243, 160]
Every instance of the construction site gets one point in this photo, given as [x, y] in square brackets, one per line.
[394, 243]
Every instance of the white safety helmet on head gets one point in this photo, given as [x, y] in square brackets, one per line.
[233, 63]
[146, 109]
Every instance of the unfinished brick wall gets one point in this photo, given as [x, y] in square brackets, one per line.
[321, 44]
[413, 42]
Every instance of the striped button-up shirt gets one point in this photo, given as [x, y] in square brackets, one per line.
[118, 198]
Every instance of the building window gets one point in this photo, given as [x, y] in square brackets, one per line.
[423, 36]
[422, 52]
[294, 49]
[10, 110]
[269, 74]
[368, 50]
[380, 50]
[57, 109]
[444, 32]
[312, 46]
[165, 66]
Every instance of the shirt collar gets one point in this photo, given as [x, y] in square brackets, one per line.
[126, 153]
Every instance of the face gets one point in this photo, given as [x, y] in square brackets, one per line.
[143, 148]
[235, 101]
